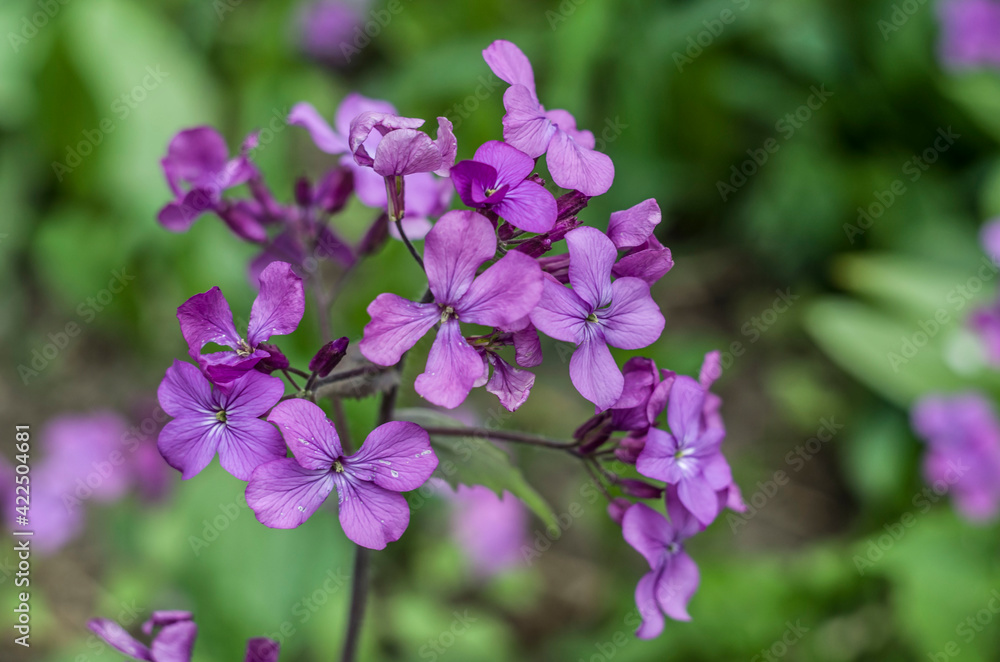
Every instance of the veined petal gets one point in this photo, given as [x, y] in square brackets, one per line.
[471, 179]
[362, 126]
[649, 265]
[447, 146]
[631, 227]
[525, 126]
[560, 313]
[224, 367]
[247, 443]
[511, 164]
[396, 326]
[591, 256]
[325, 138]
[283, 495]
[453, 251]
[578, 168]
[504, 293]
[252, 395]
[396, 455]
[206, 318]
[185, 391]
[595, 374]
[509, 384]
[633, 320]
[189, 444]
[510, 64]
[353, 105]
[528, 206]
[279, 305]
[452, 368]
[405, 152]
[309, 434]
[527, 346]
[371, 516]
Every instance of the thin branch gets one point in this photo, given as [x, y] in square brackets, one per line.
[500, 435]
[409, 246]
[344, 375]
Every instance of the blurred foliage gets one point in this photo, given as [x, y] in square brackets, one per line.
[679, 119]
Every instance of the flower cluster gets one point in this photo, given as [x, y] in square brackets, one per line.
[970, 33]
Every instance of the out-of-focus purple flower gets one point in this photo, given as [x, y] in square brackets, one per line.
[206, 318]
[396, 457]
[596, 313]
[211, 420]
[989, 238]
[643, 397]
[985, 322]
[173, 642]
[673, 577]
[689, 455]
[502, 296]
[491, 529]
[198, 169]
[970, 33]
[631, 230]
[527, 126]
[497, 178]
[326, 30]
[962, 432]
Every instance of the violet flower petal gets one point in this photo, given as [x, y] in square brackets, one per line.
[453, 366]
[206, 318]
[560, 313]
[396, 456]
[283, 495]
[506, 292]
[453, 250]
[633, 320]
[262, 649]
[396, 325]
[631, 227]
[525, 126]
[247, 443]
[279, 305]
[324, 137]
[510, 64]
[595, 374]
[370, 515]
[310, 435]
[578, 168]
[175, 642]
[116, 637]
[591, 257]
[529, 207]
[510, 385]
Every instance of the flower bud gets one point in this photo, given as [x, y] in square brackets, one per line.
[328, 357]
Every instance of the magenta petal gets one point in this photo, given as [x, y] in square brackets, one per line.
[175, 642]
[527, 347]
[252, 395]
[560, 313]
[631, 227]
[447, 146]
[649, 265]
[591, 256]
[649, 609]
[684, 410]
[370, 515]
[279, 305]
[504, 293]
[454, 249]
[177, 217]
[452, 368]
[192, 154]
[578, 168]
[396, 456]
[309, 434]
[510, 64]
[262, 649]
[648, 532]
[189, 444]
[677, 585]
[717, 472]
[525, 126]
[366, 122]
[353, 105]
[989, 234]
[206, 318]
[247, 443]
[509, 384]
[471, 179]
[511, 164]
[323, 135]
[633, 320]
[396, 326]
[405, 152]
[595, 374]
[698, 496]
[283, 495]
[658, 457]
[224, 367]
[184, 390]
[162, 618]
[116, 637]
[529, 207]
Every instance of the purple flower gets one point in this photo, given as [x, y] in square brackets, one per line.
[643, 397]
[970, 33]
[689, 455]
[985, 322]
[327, 30]
[402, 150]
[963, 438]
[496, 179]
[596, 313]
[631, 230]
[199, 159]
[502, 296]
[527, 126]
[206, 318]
[212, 420]
[489, 528]
[673, 576]
[174, 641]
[396, 457]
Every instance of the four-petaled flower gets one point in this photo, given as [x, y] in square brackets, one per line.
[206, 318]
[596, 313]
[211, 420]
[502, 296]
[496, 179]
[396, 457]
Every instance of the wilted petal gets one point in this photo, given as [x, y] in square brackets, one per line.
[560, 313]
[309, 434]
[578, 168]
[633, 320]
[591, 256]
[649, 265]
[206, 318]
[510, 64]
[595, 374]
[370, 515]
[396, 456]
[247, 443]
[525, 126]
[529, 207]
[527, 347]
[509, 384]
[396, 326]
[405, 152]
[279, 305]
[453, 251]
[116, 637]
[631, 227]
[504, 293]
[366, 122]
[283, 495]
[452, 368]
[447, 146]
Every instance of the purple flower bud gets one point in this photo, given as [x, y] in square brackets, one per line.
[328, 357]
[275, 360]
[557, 266]
[617, 508]
[571, 204]
[303, 192]
[640, 489]
[334, 190]
[629, 448]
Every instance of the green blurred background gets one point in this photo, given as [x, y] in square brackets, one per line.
[682, 125]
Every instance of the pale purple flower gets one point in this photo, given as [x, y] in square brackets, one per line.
[210, 420]
[985, 322]
[491, 529]
[396, 457]
[497, 179]
[631, 230]
[970, 33]
[673, 577]
[206, 318]
[596, 313]
[511, 385]
[644, 395]
[527, 126]
[502, 296]
[689, 455]
[198, 169]
[962, 432]
[173, 642]
[403, 150]
[326, 30]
